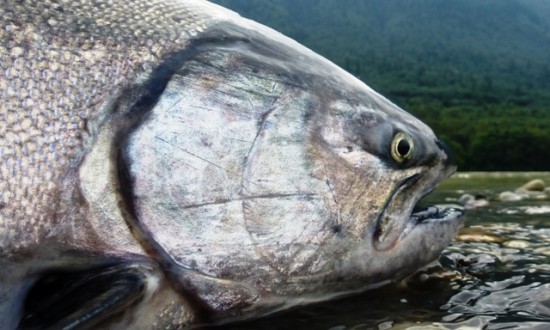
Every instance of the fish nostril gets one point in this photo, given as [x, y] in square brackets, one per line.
[451, 159]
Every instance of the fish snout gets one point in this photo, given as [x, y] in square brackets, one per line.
[447, 151]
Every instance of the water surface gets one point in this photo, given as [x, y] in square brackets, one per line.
[495, 275]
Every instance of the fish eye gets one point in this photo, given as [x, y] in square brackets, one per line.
[402, 147]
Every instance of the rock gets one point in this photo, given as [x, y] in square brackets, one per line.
[533, 185]
[537, 195]
[544, 209]
[547, 191]
[543, 250]
[509, 196]
[465, 199]
[478, 238]
[476, 234]
[473, 202]
[517, 244]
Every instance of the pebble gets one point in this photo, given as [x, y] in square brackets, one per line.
[533, 185]
[465, 198]
[385, 325]
[536, 209]
[338, 327]
[539, 195]
[509, 196]
[517, 244]
[451, 317]
[477, 235]
[473, 202]
[534, 189]
[478, 238]
[543, 250]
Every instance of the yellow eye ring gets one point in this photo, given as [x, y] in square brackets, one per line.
[402, 147]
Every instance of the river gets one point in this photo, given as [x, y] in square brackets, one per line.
[495, 275]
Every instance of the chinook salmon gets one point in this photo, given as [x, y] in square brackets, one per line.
[169, 163]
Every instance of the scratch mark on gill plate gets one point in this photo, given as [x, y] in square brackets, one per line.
[203, 159]
[249, 198]
[190, 153]
[241, 140]
[273, 87]
[252, 107]
[202, 108]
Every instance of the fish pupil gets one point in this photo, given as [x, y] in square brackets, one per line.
[403, 147]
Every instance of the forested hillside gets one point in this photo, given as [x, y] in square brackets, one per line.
[477, 71]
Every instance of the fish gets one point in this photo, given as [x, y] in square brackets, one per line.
[170, 163]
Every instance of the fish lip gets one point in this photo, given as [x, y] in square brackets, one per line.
[415, 215]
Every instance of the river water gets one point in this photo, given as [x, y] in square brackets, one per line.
[495, 275]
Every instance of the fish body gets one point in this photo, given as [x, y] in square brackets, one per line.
[169, 163]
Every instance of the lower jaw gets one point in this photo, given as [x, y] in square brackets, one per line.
[419, 215]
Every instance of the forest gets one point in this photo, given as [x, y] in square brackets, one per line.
[477, 72]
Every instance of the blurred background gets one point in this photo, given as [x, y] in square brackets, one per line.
[476, 71]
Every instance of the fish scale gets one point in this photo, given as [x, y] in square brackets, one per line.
[62, 64]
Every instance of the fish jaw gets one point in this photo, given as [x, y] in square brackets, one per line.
[400, 215]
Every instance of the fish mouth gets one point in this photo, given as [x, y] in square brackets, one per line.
[435, 213]
[401, 215]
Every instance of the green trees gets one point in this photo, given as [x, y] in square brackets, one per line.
[492, 138]
[516, 147]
